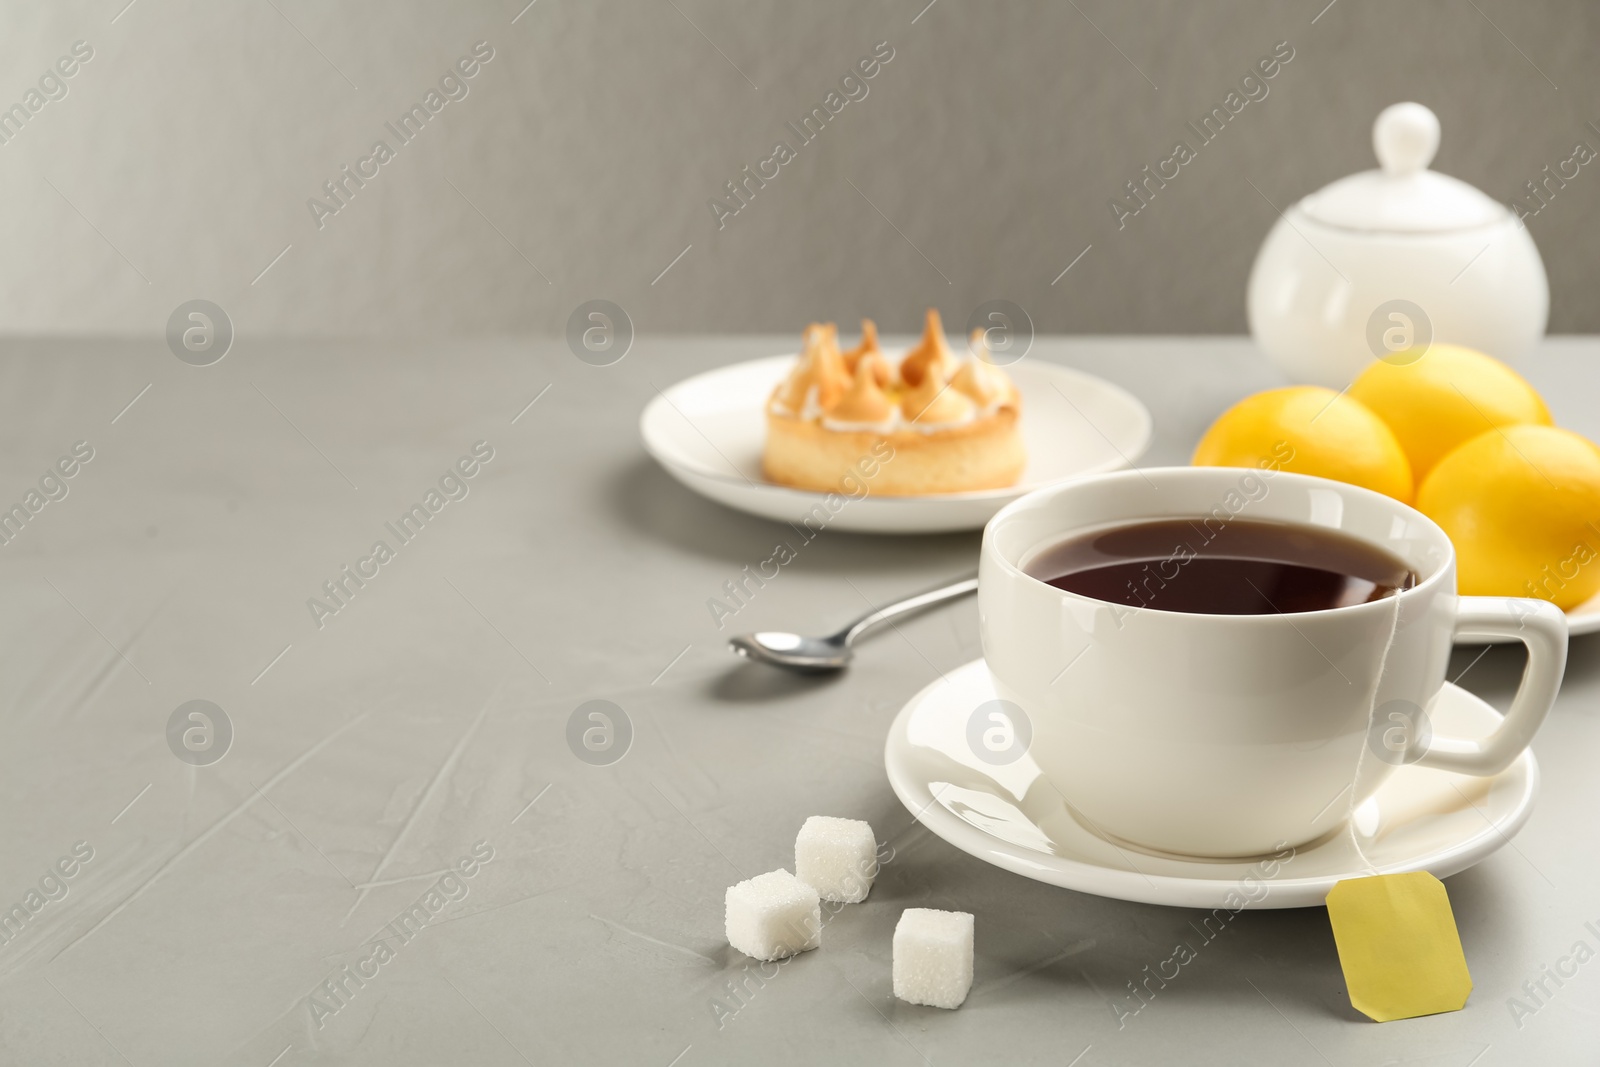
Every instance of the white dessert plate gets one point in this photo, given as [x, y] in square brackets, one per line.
[1009, 816]
[1585, 618]
[708, 432]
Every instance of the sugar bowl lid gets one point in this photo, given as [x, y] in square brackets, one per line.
[1403, 196]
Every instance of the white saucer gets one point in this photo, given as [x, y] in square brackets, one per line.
[1419, 820]
[708, 432]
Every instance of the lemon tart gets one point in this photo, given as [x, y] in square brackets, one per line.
[854, 422]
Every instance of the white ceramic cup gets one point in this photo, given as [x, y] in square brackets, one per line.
[1233, 735]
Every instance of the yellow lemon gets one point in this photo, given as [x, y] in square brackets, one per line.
[1443, 397]
[1522, 505]
[1308, 430]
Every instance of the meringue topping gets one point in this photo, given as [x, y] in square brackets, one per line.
[865, 403]
[869, 350]
[860, 391]
[932, 403]
[978, 378]
[932, 351]
[819, 379]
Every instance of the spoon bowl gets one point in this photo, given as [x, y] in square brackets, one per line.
[820, 655]
[808, 655]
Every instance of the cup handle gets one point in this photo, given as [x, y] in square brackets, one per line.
[1540, 626]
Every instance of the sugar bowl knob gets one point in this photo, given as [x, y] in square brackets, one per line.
[1405, 137]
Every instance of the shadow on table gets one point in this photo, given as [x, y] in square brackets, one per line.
[756, 683]
[646, 500]
[1583, 658]
[1493, 671]
[1126, 954]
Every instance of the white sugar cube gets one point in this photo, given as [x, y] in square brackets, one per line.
[836, 857]
[933, 957]
[773, 915]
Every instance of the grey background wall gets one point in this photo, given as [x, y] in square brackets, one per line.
[579, 164]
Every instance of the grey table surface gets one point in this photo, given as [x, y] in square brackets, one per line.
[378, 748]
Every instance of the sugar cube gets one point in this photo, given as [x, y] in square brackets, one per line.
[933, 957]
[836, 857]
[773, 915]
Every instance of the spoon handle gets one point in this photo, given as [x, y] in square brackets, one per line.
[882, 615]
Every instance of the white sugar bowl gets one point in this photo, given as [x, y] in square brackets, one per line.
[1387, 259]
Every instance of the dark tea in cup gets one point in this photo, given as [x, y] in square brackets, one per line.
[1204, 567]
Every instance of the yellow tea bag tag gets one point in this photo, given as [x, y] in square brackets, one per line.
[1398, 946]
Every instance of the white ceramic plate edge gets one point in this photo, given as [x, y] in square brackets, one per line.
[1581, 620]
[872, 514]
[1585, 618]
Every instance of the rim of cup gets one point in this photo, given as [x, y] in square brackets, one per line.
[1050, 494]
